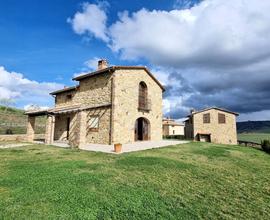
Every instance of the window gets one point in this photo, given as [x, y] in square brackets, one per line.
[221, 118]
[68, 97]
[206, 118]
[93, 123]
[143, 96]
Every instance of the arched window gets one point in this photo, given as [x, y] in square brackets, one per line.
[143, 96]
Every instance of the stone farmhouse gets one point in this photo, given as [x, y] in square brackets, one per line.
[212, 125]
[171, 127]
[116, 104]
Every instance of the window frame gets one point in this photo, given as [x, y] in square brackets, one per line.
[143, 96]
[68, 97]
[221, 118]
[206, 118]
[90, 126]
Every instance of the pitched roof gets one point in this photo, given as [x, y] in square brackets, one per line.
[216, 108]
[113, 68]
[171, 122]
[64, 90]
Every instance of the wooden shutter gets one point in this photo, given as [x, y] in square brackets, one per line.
[142, 96]
[206, 118]
[221, 118]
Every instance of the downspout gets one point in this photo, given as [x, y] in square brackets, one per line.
[112, 107]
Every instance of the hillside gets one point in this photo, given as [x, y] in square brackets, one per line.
[253, 127]
[15, 120]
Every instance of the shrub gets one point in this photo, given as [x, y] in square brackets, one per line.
[179, 137]
[266, 146]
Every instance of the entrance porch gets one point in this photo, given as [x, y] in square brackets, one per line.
[65, 126]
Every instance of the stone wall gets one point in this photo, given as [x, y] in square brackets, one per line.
[220, 133]
[13, 137]
[20, 137]
[102, 134]
[125, 106]
[62, 100]
[92, 91]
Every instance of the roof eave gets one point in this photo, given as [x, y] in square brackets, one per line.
[78, 78]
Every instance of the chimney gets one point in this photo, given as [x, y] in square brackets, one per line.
[102, 64]
[192, 111]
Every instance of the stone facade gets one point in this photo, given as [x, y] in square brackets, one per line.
[125, 106]
[221, 133]
[104, 109]
[169, 130]
[92, 91]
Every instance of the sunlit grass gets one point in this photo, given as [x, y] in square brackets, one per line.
[188, 181]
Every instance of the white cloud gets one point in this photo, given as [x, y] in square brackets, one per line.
[89, 66]
[92, 64]
[92, 20]
[34, 107]
[223, 32]
[215, 53]
[24, 91]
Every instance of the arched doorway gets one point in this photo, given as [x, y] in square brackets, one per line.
[142, 129]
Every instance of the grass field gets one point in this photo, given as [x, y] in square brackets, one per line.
[190, 181]
[254, 137]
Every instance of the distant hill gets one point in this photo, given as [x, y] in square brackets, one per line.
[15, 120]
[253, 127]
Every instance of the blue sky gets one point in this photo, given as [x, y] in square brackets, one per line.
[37, 40]
[201, 51]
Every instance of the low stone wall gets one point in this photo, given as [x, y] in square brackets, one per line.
[13, 137]
[39, 136]
[19, 137]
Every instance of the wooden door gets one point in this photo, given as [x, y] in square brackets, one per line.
[141, 131]
[68, 127]
[136, 130]
[145, 130]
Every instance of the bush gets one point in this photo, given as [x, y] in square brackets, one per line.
[179, 137]
[9, 131]
[266, 146]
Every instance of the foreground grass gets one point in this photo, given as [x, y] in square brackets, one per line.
[254, 137]
[189, 181]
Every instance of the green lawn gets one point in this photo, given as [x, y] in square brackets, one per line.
[191, 181]
[254, 137]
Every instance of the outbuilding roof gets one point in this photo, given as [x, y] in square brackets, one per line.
[216, 108]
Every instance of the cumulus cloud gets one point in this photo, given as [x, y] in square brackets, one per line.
[91, 20]
[15, 86]
[214, 53]
[92, 63]
[213, 33]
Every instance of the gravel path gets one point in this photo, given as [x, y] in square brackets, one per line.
[5, 146]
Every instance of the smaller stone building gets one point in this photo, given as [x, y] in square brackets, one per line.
[170, 127]
[212, 125]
